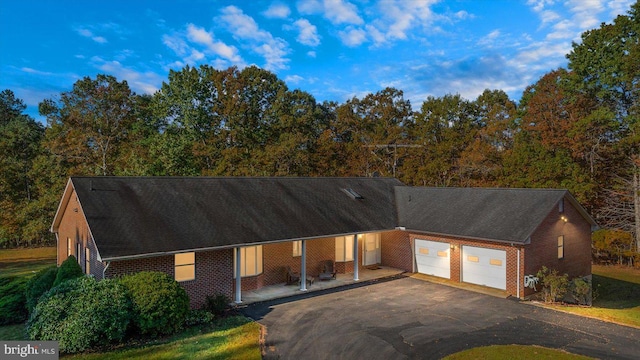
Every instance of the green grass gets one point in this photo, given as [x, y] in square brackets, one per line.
[617, 296]
[499, 352]
[25, 262]
[234, 337]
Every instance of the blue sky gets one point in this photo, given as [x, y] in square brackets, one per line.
[334, 49]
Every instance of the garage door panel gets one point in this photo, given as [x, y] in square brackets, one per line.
[432, 258]
[484, 266]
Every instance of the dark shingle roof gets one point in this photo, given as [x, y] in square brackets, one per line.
[130, 216]
[510, 215]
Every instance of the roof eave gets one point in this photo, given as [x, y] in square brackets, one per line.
[66, 196]
[232, 246]
[512, 242]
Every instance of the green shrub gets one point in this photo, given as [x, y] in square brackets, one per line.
[554, 286]
[217, 304]
[198, 317]
[69, 269]
[12, 300]
[81, 314]
[160, 304]
[38, 285]
[580, 290]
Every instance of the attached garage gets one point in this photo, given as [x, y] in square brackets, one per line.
[484, 266]
[432, 258]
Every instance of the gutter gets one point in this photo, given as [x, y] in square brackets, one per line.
[104, 271]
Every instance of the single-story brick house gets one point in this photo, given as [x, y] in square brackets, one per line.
[196, 229]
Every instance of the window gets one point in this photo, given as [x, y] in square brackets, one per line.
[344, 248]
[78, 259]
[68, 247]
[185, 266]
[561, 247]
[297, 248]
[87, 261]
[251, 261]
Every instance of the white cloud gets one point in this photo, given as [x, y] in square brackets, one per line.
[311, 54]
[244, 27]
[353, 37]
[586, 12]
[308, 34]
[36, 72]
[293, 79]
[89, 34]
[200, 36]
[341, 12]
[619, 7]
[336, 11]
[140, 82]
[277, 11]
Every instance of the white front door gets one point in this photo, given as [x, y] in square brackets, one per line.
[432, 258]
[371, 249]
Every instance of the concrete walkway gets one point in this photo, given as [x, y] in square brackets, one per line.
[283, 291]
[408, 318]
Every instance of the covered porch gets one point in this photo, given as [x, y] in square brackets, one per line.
[282, 290]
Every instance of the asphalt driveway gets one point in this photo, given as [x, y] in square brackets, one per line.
[410, 318]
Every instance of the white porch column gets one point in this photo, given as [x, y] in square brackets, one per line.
[238, 277]
[355, 257]
[303, 266]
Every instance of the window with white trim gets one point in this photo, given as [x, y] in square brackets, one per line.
[185, 266]
[297, 248]
[250, 261]
[561, 247]
[344, 248]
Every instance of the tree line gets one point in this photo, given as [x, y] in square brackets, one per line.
[576, 128]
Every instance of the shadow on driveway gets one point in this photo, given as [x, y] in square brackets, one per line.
[402, 317]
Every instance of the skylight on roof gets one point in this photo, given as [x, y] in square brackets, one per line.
[352, 193]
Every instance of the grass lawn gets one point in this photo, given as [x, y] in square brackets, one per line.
[234, 337]
[25, 262]
[499, 352]
[617, 296]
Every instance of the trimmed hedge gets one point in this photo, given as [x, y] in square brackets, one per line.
[38, 285]
[12, 300]
[160, 304]
[69, 269]
[81, 314]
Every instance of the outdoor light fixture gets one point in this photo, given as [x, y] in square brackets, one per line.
[564, 218]
[453, 247]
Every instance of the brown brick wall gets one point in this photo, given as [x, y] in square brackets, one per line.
[396, 250]
[214, 272]
[543, 249]
[74, 227]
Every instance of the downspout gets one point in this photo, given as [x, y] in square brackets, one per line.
[355, 257]
[104, 270]
[238, 277]
[518, 273]
[303, 266]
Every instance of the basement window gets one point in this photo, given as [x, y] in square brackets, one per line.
[185, 266]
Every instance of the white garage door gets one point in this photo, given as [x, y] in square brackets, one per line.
[483, 266]
[432, 258]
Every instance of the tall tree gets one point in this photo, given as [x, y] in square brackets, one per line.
[443, 127]
[607, 68]
[481, 161]
[20, 138]
[88, 124]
